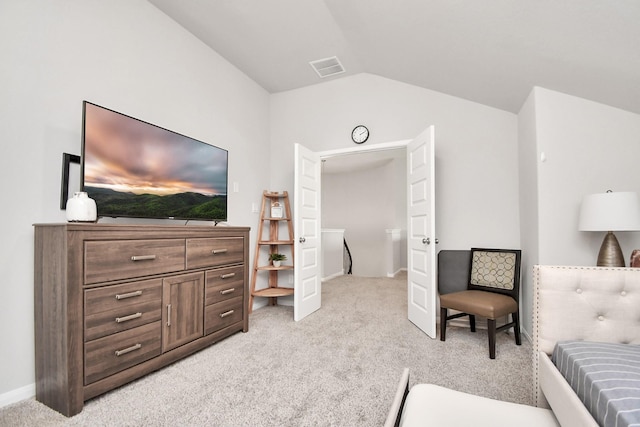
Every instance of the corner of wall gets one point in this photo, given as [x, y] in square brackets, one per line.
[528, 193]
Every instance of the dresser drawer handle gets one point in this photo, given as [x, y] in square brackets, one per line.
[143, 257]
[129, 317]
[128, 349]
[228, 291]
[129, 295]
[226, 313]
[219, 251]
[228, 275]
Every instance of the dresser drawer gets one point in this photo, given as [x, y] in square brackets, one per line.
[117, 308]
[212, 252]
[123, 259]
[114, 353]
[222, 314]
[223, 284]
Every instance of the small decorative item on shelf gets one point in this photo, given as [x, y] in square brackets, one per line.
[276, 259]
[635, 259]
[81, 208]
[276, 210]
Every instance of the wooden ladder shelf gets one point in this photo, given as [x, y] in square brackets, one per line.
[275, 210]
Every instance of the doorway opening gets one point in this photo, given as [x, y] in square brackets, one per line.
[420, 228]
[364, 203]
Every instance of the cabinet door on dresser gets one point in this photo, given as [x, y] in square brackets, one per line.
[183, 302]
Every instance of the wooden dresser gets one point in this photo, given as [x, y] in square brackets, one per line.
[115, 302]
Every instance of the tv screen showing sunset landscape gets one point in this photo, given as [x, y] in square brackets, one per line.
[135, 169]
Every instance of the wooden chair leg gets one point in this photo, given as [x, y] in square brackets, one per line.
[472, 322]
[491, 326]
[516, 328]
[443, 323]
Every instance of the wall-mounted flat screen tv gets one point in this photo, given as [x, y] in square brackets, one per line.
[134, 169]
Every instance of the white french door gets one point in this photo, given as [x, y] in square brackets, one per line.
[421, 250]
[307, 274]
[421, 282]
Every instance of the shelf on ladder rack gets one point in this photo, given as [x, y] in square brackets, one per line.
[271, 267]
[275, 210]
[273, 292]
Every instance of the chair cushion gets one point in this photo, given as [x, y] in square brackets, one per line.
[485, 304]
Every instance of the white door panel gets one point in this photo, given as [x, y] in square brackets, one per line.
[421, 286]
[307, 274]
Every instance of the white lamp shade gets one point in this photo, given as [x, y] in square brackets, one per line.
[618, 211]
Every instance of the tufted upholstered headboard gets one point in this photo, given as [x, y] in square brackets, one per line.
[584, 303]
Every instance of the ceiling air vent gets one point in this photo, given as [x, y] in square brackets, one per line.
[327, 67]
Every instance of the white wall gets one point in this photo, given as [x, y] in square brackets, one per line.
[125, 55]
[365, 203]
[590, 148]
[396, 249]
[476, 148]
[332, 253]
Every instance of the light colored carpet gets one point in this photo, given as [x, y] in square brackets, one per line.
[338, 367]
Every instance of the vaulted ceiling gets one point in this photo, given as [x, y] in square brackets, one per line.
[488, 51]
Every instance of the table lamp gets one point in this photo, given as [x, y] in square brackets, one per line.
[619, 211]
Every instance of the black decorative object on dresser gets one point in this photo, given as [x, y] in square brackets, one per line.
[116, 302]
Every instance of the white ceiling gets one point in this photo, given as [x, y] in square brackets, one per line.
[488, 51]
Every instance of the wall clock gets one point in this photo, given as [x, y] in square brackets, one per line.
[360, 134]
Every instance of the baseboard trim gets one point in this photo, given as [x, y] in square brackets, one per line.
[331, 276]
[17, 395]
[398, 271]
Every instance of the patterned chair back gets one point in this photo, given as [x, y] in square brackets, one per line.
[495, 270]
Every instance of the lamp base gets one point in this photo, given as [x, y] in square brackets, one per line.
[610, 254]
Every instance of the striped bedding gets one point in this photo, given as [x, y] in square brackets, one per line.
[606, 377]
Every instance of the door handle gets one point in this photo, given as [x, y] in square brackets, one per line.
[426, 241]
[302, 240]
